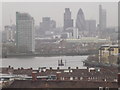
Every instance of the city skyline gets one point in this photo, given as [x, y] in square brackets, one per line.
[44, 12]
[60, 44]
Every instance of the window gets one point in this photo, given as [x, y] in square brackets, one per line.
[100, 88]
[107, 88]
[71, 78]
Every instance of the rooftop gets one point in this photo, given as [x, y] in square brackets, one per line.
[61, 84]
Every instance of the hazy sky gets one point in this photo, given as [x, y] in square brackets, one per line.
[56, 11]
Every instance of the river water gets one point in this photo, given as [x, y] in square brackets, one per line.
[36, 62]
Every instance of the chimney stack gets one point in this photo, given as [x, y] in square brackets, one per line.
[69, 67]
[12, 67]
[58, 75]
[76, 67]
[34, 76]
[9, 66]
[22, 68]
[58, 68]
[31, 68]
[50, 68]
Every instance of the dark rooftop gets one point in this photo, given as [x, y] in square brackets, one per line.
[61, 84]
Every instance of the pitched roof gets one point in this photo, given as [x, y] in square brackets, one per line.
[61, 84]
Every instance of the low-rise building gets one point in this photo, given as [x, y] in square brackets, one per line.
[64, 78]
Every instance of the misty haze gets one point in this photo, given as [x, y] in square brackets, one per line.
[60, 42]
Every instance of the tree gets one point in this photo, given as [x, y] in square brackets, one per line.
[112, 59]
[93, 58]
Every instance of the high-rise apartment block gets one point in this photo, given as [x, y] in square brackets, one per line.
[25, 32]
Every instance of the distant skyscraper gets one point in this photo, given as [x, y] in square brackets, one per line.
[53, 24]
[80, 21]
[25, 32]
[9, 33]
[91, 27]
[47, 24]
[75, 33]
[68, 22]
[102, 18]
